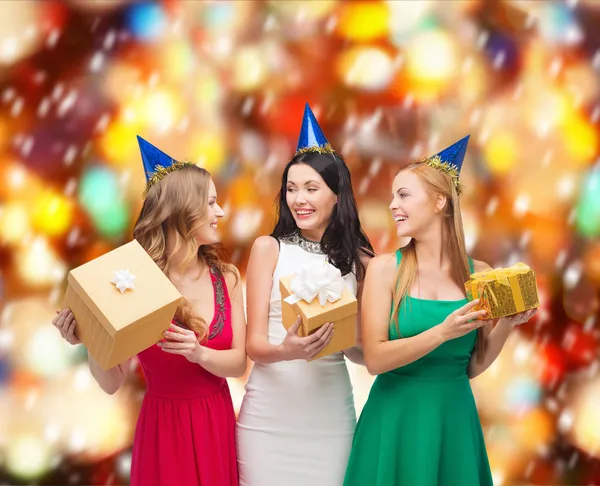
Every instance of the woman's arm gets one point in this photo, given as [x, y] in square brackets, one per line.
[109, 380]
[355, 353]
[259, 280]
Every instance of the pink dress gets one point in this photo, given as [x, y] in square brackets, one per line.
[185, 432]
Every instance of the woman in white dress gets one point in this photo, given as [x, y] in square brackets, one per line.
[297, 419]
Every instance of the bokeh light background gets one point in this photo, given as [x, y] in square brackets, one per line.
[224, 84]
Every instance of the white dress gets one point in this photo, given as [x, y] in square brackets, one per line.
[297, 419]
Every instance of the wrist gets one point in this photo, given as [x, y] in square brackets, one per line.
[280, 352]
[505, 323]
[440, 334]
[200, 356]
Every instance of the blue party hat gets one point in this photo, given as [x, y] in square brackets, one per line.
[311, 137]
[450, 161]
[153, 157]
[157, 164]
[455, 154]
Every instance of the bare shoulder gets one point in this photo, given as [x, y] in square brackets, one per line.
[480, 266]
[265, 245]
[264, 254]
[383, 265]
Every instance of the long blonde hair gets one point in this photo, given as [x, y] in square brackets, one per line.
[437, 182]
[179, 202]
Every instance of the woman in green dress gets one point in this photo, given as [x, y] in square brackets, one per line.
[420, 425]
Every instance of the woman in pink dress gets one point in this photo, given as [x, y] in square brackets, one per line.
[185, 431]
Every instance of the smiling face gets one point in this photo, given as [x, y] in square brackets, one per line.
[413, 207]
[309, 198]
[207, 234]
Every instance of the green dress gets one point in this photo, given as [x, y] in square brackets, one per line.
[420, 426]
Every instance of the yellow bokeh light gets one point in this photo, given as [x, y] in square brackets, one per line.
[501, 152]
[363, 21]
[580, 139]
[208, 150]
[27, 456]
[250, 69]
[159, 109]
[430, 67]
[14, 223]
[52, 214]
[431, 57]
[119, 144]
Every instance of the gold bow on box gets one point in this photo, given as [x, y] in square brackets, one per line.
[504, 291]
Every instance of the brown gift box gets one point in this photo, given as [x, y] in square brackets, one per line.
[504, 291]
[115, 326]
[342, 313]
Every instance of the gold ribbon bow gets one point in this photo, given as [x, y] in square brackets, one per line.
[502, 275]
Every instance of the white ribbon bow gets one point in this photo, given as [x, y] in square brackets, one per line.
[123, 280]
[322, 280]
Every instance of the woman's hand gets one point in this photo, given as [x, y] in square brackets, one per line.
[184, 342]
[462, 321]
[296, 347]
[517, 319]
[65, 323]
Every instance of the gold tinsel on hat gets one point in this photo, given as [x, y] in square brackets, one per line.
[160, 172]
[321, 149]
[447, 168]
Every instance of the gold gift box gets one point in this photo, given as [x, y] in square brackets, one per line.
[504, 291]
[115, 325]
[342, 313]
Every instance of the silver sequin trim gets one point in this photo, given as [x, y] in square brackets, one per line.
[307, 245]
[219, 322]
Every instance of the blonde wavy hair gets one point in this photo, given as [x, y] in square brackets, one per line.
[179, 202]
[436, 182]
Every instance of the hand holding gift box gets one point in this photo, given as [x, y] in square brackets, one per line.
[319, 295]
[504, 291]
[122, 303]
